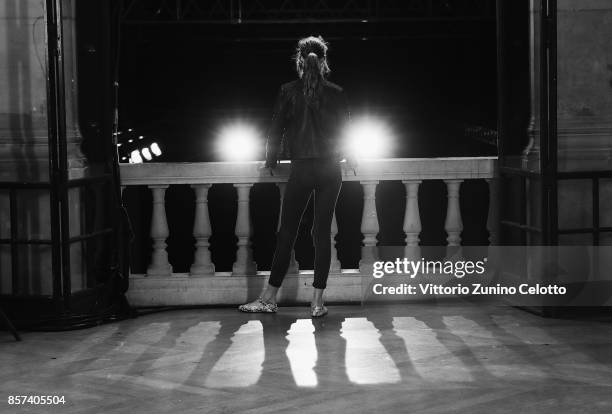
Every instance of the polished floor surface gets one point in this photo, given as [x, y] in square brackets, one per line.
[417, 358]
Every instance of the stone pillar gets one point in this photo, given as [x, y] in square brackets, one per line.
[453, 223]
[584, 111]
[23, 101]
[412, 220]
[244, 264]
[202, 264]
[584, 88]
[23, 82]
[369, 226]
[76, 159]
[24, 136]
[531, 153]
[159, 233]
[584, 84]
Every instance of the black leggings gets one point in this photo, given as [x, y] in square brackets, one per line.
[324, 177]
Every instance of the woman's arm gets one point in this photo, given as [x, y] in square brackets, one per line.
[276, 131]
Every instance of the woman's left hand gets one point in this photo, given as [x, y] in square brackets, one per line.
[350, 165]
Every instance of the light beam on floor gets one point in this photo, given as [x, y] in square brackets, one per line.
[494, 355]
[302, 353]
[431, 359]
[241, 364]
[367, 360]
[178, 363]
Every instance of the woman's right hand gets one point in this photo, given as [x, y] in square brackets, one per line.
[264, 166]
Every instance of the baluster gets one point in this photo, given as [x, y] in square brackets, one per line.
[159, 233]
[202, 264]
[493, 216]
[453, 224]
[335, 263]
[412, 220]
[244, 264]
[369, 226]
[293, 264]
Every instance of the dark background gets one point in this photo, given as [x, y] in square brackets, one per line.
[431, 75]
[180, 83]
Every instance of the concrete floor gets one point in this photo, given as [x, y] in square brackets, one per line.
[417, 358]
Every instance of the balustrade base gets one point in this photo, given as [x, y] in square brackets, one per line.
[202, 270]
[159, 271]
[225, 288]
[228, 289]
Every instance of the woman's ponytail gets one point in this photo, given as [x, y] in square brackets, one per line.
[312, 67]
[312, 77]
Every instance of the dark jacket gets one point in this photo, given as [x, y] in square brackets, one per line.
[301, 130]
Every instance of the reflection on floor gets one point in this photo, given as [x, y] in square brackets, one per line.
[430, 358]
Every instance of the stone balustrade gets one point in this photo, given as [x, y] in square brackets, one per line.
[202, 285]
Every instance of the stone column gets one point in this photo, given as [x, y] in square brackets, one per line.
[23, 82]
[159, 233]
[584, 83]
[412, 220]
[244, 264]
[531, 153]
[584, 88]
[369, 226]
[24, 135]
[202, 264]
[453, 223]
[584, 109]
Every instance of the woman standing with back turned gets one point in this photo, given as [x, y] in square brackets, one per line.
[309, 116]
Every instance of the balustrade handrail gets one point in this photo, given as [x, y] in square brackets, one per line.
[250, 171]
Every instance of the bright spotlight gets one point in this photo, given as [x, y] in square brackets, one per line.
[238, 142]
[368, 138]
[155, 149]
[135, 157]
[146, 153]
